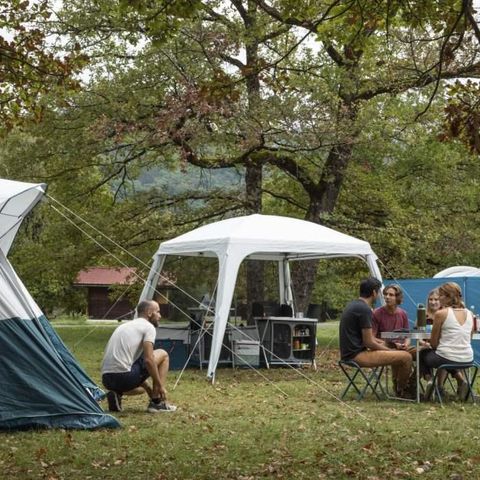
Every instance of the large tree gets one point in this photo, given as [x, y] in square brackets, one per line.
[370, 50]
[236, 85]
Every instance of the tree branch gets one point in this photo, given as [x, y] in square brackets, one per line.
[241, 10]
[473, 23]
[289, 200]
[441, 57]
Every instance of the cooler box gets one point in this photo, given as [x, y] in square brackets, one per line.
[246, 353]
[176, 349]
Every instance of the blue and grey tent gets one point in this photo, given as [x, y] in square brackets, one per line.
[41, 384]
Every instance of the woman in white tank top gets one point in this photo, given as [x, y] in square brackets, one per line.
[451, 337]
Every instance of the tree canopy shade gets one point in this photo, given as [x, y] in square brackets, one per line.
[238, 86]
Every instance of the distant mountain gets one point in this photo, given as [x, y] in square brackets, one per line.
[190, 179]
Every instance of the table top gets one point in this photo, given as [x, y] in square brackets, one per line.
[416, 335]
[287, 319]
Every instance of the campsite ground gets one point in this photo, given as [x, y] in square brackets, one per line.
[279, 423]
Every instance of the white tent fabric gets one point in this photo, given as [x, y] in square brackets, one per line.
[15, 301]
[458, 271]
[16, 200]
[259, 237]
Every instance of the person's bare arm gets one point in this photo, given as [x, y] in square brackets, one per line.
[371, 342]
[438, 320]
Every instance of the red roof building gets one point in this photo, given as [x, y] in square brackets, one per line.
[102, 303]
[106, 276]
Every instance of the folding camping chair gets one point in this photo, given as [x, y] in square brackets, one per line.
[370, 379]
[467, 369]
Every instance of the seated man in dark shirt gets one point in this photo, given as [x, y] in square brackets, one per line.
[358, 343]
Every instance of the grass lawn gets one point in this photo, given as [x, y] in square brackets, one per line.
[244, 427]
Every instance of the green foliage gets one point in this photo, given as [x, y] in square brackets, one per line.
[130, 21]
[415, 199]
[61, 236]
[462, 120]
[29, 67]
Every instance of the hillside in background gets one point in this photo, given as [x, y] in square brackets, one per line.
[190, 178]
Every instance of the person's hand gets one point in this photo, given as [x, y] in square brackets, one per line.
[160, 392]
[400, 346]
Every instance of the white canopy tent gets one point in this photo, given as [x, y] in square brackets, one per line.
[257, 237]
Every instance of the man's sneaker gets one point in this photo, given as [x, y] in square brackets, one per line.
[114, 401]
[160, 407]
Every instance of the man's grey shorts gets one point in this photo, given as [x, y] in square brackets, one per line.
[125, 381]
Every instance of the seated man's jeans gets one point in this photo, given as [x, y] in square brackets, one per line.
[399, 360]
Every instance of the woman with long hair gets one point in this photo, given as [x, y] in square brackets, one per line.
[433, 305]
[451, 338]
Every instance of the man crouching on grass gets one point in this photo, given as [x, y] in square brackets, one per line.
[129, 359]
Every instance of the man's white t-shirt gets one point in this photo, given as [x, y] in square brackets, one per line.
[126, 345]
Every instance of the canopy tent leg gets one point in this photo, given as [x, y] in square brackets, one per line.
[150, 286]
[285, 283]
[226, 285]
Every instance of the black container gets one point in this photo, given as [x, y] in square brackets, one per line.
[421, 317]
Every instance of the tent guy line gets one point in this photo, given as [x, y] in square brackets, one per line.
[123, 249]
[356, 410]
[394, 278]
[143, 279]
[105, 249]
[249, 365]
[78, 342]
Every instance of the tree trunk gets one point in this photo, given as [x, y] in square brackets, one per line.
[323, 200]
[255, 268]
[254, 171]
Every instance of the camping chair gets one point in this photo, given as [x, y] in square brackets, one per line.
[467, 369]
[370, 379]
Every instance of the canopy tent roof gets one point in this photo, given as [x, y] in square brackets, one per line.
[266, 237]
[16, 200]
[262, 237]
[458, 271]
